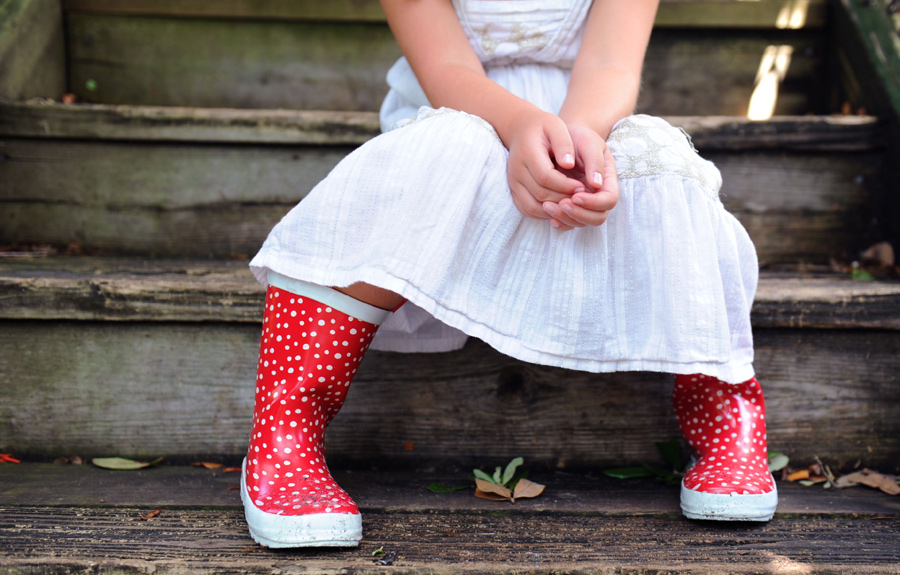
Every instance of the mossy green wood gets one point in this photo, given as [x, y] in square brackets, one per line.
[32, 60]
[217, 63]
[672, 13]
[302, 65]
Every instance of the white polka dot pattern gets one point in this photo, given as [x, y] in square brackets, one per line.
[308, 356]
[725, 424]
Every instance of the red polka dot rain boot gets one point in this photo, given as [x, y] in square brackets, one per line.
[308, 355]
[725, 425]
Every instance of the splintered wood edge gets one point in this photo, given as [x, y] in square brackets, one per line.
[320, 127]
[67, 288]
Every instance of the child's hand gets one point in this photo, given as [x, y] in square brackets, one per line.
[541, 157]
[595, 168]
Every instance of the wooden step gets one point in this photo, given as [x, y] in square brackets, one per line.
[124, 357]
[60, 518]
[704, 56]
[212, 182]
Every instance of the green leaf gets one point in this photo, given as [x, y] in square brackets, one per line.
[497, 476]
[510, 470]
[628, 472]
[671, 453]
[861, 275]
[379, 551]
[777, 461]
[122, 463]
[438, 488]
[482, 475]
[663, 474]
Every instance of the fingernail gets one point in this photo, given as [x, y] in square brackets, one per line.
[598, 179]
[568, 159]
[579, 191]
[567, 208]
[550, 208]
[554, 223]
[578, 200]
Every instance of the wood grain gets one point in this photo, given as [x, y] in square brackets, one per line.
[306, 65]
[51, 540]
[189, 200]
[129, 289]
[32, 59]
[398, 489]
[182, 390]
[48, 120]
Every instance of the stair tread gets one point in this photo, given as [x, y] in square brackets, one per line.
[580, 525]
[131, 289]
[325, 127]
[396, 489]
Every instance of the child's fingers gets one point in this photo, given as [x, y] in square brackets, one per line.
[559, 214]
[583, 216]
[561, 145]
[591, 152]
[525, 202]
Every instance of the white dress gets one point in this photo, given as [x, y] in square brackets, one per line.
[424, 210]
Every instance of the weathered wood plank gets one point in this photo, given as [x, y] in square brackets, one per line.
[672, 13]
[399, 489]
[679, 69]
[126, 289]
[42, 540]
[213, 125]
[180, 390]
[218, 199]
[32, 59]
[325, 127]
[227, 63]
[219, 63]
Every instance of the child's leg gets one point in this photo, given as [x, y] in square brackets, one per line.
[313, 340]
[725, 425]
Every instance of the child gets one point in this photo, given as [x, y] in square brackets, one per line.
[512, 198]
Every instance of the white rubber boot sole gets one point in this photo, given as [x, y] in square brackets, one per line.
[314, 530]
[728, 507]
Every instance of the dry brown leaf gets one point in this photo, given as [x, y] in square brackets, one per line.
[207, 465]
[797, 475]
[881, 254]
[873, 479]
[232, 470]
[490, 496]
[526, 488]
[488, 488]
[151, 515]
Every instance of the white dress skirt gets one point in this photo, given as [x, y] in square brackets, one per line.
[424, 210]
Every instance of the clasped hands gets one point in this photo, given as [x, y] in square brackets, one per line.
[561, 172]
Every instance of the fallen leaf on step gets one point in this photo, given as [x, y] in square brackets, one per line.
[798, 475]
[207, 464]
[122, 463]
[151, 515]
[8, 458]
[870, 478]
[232, 470]
[492, 491]
[881, 254]
[525, 488]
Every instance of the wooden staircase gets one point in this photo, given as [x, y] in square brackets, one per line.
[129, 321]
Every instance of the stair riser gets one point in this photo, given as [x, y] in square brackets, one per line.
[330, 66]
[219, 200]
[183, 390]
